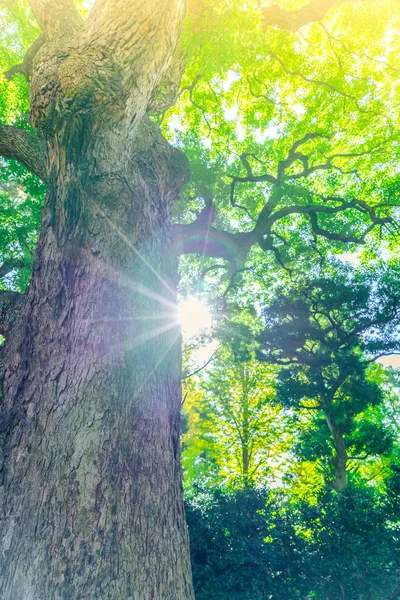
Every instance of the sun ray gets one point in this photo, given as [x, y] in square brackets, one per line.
[134, 250]
[158, 362]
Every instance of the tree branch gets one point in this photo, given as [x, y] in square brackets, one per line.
[383, 320]
[318, 82]
[8, 266]
[212, 357]
[198, 238]
[56, 17]
[167, 93]
[10, 304]
[25, 147]
[343, 237]
[26, 67]
[315, 10]
[142, 37]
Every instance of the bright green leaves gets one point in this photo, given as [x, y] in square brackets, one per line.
[20, 218]
[236, 434]
[18, 32]
[21, 193]
[257, 90]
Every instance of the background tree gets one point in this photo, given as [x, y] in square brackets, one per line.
[325, 333]
[235, 434]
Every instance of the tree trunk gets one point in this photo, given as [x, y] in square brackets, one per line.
[339, 461]
[90, 482]
[245, 463]
[91, 494]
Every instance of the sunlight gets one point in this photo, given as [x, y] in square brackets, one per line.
[194, 316]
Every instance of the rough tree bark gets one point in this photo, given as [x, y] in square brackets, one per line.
[90, 484]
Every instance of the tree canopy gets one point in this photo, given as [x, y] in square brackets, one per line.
[270, 132]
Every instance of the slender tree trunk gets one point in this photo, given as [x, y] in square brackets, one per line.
[90, 482]
[340, 459]
[245, 462]
[245, 426]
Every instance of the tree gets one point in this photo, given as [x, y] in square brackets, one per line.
[325, 332]
[90, 472]
[235, 433]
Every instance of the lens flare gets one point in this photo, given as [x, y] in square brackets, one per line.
[194, 316]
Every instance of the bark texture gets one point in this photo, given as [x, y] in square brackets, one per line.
[90, 483]
[10, 305]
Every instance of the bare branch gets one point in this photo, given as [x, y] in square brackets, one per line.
[26, 67]
[25, 147]
[212, 357]
[315, 10]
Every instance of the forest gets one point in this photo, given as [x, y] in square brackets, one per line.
[199, 299]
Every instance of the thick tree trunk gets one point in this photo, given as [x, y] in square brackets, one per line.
[90, 482]
[91, 496]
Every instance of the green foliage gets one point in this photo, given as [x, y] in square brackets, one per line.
[235, 434]
[20, 218]
[243, 108]
[255, 544]
[324, 332]
[21, 193]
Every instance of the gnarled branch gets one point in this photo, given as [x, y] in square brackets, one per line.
[195, 238]
[200, 238]
[315, 10]
[26, 67]
[342, 237]
[25, 147]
